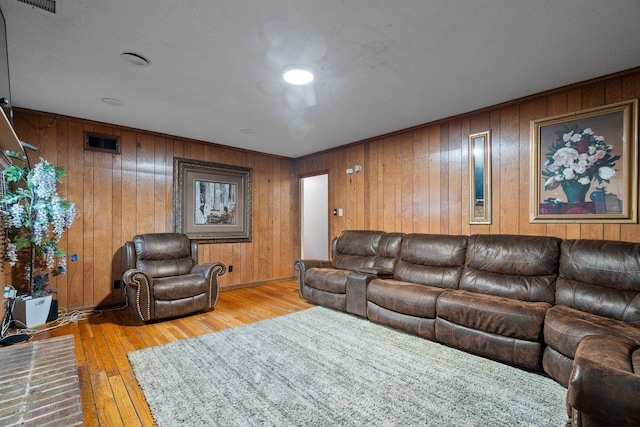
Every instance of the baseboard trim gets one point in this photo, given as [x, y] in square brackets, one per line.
[258, 283]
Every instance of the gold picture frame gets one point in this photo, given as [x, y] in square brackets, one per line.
[480, 178]
[212, 201]
[584, 166]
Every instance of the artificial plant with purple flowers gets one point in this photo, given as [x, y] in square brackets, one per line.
[34, 217]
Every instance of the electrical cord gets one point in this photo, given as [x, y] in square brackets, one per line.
[6, 319]
[52, 121]
[64, 318]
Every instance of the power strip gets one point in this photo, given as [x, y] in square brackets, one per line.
[9, 292]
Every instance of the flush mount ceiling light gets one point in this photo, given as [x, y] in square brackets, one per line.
[135, 59]
[297, 76]
[112, 101]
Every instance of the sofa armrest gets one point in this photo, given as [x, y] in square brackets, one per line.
[604, 386]
[138, 286]
[136, 278]
[302, 265]
[381, 273]
[207, 268]
[211, 271]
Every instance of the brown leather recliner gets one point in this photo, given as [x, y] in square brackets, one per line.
[163, 277]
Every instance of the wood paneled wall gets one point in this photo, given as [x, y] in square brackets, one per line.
[411, 181]
[120, 195]
[417, 180]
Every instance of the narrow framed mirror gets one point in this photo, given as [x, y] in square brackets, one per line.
[480, 178]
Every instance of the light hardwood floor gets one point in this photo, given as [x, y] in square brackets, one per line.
[110, 393]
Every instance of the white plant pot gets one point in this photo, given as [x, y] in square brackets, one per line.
[31, 312]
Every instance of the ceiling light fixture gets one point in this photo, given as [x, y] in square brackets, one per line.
[135, 59]
[112, 101]
[297, 76]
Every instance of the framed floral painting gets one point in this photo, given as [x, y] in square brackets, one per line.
[584, 166]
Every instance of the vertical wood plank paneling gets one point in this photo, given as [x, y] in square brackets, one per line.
[103, 231]
[465, 129]
[454, 183]
[128, 158]
[510, 171]
[421, 181]
[61, 282]
[444, 178]
[351, 202]
[275, 219]
[371, 175]
[159, 183]
[261, 217]
[75, 193]
[359, 188]
[145, 180]
[406, 185]
[528, 111]
[395, 223]
[88, 225]
[289, 219]
[250, 248]
[434, 179]
[388, 194]
[117, 266]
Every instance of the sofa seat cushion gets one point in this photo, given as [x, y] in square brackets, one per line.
[178, 287]
[327, 279]
[565, 328]
[493, 314]
[404, 297]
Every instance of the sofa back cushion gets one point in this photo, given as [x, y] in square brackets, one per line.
[355, 249]
[601, 277]
[431, 259]
[519, 267]
[163, 254]
[389, 251]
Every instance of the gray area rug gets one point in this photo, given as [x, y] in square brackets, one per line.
[320, 367]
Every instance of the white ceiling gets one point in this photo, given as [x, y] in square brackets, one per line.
[380, 66]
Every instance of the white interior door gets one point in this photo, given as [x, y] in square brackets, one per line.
[315, 216]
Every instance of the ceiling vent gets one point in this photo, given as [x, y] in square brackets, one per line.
[48, 5]
[97, 142]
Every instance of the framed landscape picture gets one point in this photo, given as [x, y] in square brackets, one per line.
[212, 201]
[584, 166]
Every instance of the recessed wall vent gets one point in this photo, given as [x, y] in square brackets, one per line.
[48, 5]
[98, 142]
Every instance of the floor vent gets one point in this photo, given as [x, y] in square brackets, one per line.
[98, 142]
[48, 5]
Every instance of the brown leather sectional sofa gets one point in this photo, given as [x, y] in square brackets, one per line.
[567, 308]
